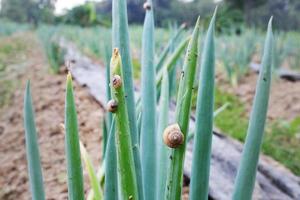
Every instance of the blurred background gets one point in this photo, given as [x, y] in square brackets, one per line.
[31, 35]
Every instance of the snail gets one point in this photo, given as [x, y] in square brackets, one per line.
[112, 105]
[147, 6]
[173, 136]
[116, 81]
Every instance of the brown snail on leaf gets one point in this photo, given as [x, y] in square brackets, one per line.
[116, 81]
[147, 6]
[173, 136]
[112, 105]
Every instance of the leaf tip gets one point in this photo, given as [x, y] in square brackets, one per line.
[69, 77]
[116, 52]
[198, 22]
[270, 23]
[115, 60]
[27, 86]
[215, 11]
[213, 19]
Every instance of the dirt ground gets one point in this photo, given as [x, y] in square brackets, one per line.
[284, 97]
[48, 96]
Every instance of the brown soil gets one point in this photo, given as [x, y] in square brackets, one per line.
[284, 100]
[48, 97]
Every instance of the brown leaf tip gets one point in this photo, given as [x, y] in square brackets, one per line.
[116, 52]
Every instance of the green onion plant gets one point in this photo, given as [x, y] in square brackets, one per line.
[145, 147]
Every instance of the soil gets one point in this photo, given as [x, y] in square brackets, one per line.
[284, 103]
[48, 96]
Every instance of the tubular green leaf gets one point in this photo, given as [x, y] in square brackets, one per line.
[74, 168]
[104, 136]
[100, 177]
[245, 179]
[126, 168]
[162, 149]
[111, 174]
[108, 117]
[221, 109]
[32, 149]
[120, 40]
[166, 50]
[148, 99]
[183, 109]
[204, 119]
[170, 63]
[98, 195]
[139, 123]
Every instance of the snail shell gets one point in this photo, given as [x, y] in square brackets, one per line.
[147, 6]
[116, 81]
[112, 105]
[173, 136]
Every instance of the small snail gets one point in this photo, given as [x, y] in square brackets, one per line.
[116, 81]
[112, 105]
[147, 6]
[173, 136]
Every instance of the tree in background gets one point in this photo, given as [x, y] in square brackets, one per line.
[32, 11]
[83, 15]
[258, 12]
[87, 14]
[232, 14]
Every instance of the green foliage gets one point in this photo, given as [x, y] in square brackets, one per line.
[6, 92]
[11, 51]
[227, 119]
[288, 50]
[98, 195]
[162, 150]
[32, 149]
[12, 55]
[174, 179]
[111, 173]
[8, 27]
[282, 143]
[28, 11]
[125, 157]
[236, 58]
[281, 137]
[244, 183]
[148, 100]
[53, 52]
[91, 41]
[204, 118]
[120, 40]
[83, 15]
[229, 19]
[128, 177]
[72, 147]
